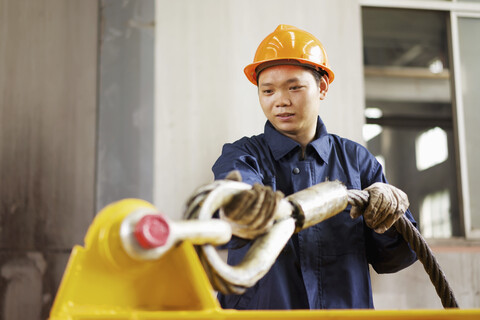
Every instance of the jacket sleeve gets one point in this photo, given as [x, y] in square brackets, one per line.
[236, 157]
[387, 252]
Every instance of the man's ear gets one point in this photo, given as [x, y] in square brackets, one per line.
[323, 86]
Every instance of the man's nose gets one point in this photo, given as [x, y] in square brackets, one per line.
[283, 99]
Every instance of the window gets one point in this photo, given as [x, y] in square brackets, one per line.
[422, 110]
[409, 118]
[467, 51]
[431, 148]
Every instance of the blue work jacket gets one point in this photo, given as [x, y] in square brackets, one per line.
[325, 266]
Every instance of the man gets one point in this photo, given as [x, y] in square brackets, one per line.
[326, 265]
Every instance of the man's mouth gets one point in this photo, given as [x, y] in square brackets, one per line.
[284, 116]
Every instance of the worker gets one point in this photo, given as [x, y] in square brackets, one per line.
[325, 266]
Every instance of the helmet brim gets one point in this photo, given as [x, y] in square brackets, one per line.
[251, 69]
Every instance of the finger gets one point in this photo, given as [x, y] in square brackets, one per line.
[264, 229]
[402, 200]
[265, 217]
[372, 210]
[276, 197]
[355, 212]
[234, 176]
[395, 204]
[394, 197]
[241, 231]
[380, 229]
[264, 209]
[234, 210]
[384, 211]
[252, 212]
[398, 214]
[386, 224]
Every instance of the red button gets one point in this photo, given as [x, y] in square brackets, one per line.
[152, 231]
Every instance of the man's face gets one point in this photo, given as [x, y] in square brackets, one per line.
[290, 99]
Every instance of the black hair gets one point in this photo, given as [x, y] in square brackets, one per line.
[317, 74]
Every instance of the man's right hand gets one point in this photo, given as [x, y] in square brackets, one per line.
[251, 212]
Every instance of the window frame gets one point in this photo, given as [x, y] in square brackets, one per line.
[457, 10]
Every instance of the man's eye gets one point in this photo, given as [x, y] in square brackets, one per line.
[295, 88]
[268, 91]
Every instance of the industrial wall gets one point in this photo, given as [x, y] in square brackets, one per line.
[125, 101]
[48, 110]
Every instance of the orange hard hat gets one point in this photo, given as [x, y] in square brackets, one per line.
[288, 43]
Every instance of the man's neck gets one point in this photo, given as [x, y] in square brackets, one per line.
[304, 141]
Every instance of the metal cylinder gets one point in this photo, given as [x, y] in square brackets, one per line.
[318, 203]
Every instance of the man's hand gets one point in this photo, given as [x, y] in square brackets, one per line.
[251, 212]
[386, 205]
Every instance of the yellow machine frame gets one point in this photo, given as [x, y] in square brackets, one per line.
[102, 282]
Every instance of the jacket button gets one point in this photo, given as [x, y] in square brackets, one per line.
[296, 171]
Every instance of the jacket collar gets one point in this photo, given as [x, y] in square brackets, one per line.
[281, 145]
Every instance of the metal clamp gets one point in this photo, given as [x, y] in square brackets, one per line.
[148, 235]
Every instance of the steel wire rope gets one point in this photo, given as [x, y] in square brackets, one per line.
[419, 245]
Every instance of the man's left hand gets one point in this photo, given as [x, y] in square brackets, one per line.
[386, 205]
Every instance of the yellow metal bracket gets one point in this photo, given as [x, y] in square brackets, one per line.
[102, 282]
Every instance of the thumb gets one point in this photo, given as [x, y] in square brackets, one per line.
[355, 212]
[234, 176]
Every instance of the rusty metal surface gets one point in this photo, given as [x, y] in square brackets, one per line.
[48, 87]
[48, 122]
